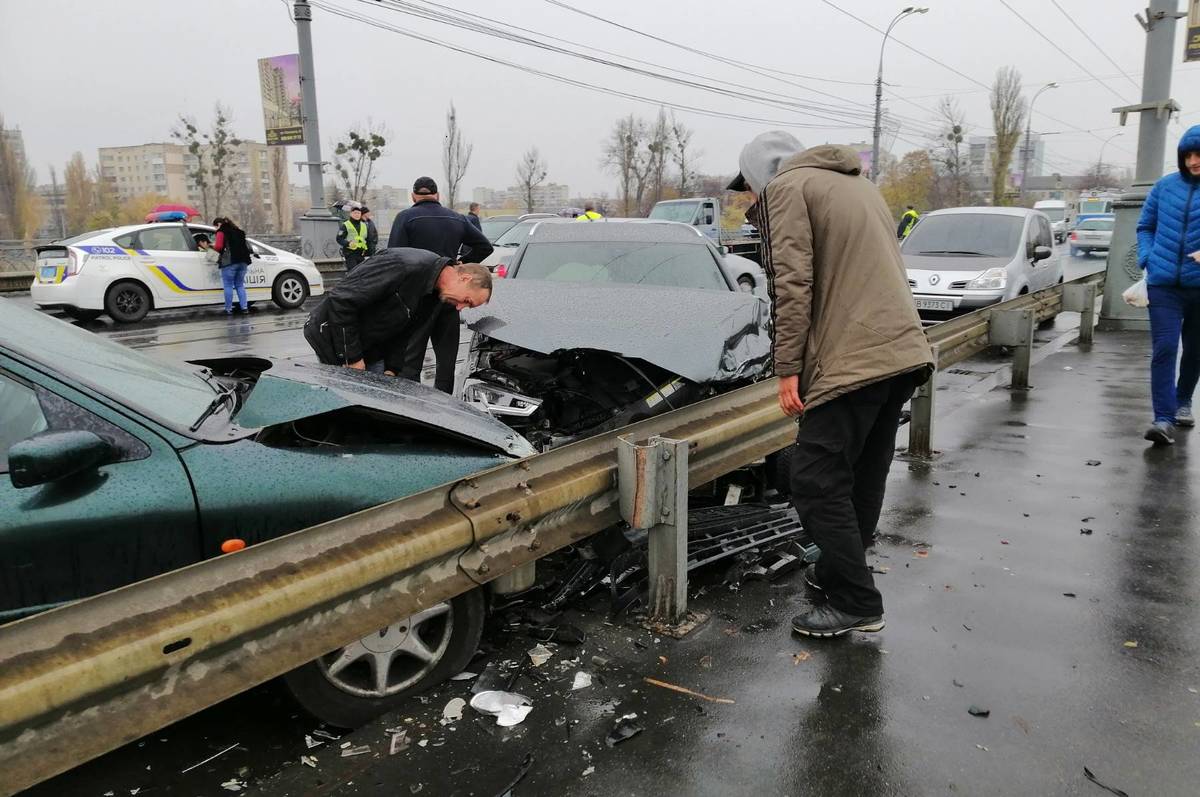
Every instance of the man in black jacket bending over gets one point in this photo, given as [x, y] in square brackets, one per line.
[428, 225]
[368, 319]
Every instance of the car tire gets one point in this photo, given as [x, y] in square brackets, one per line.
[290, 290]
[79, 314]
[127, 302]
[349, 695]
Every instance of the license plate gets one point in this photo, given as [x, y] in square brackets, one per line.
[48, 273]
[935, 304]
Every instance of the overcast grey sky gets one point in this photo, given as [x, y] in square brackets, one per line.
[78, 75]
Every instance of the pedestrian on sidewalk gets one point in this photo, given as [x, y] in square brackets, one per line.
[352, 237]
[367, 320]
[233, 262]
[1168, 235]
[372, 231]
[848, 350]
[428, 225]
[473, 216]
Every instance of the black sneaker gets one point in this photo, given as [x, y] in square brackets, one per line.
[826, 621]
[810, 578]
[1160, 433]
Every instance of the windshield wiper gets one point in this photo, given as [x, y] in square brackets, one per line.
[952, 252]
[222, 396]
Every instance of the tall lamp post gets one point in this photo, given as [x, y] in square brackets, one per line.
[879, 90]
[1028, 134]
[1100, 162]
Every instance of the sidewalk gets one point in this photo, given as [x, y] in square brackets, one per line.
[994, 598]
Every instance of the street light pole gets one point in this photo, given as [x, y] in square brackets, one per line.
[910, 10]
[1028, 133]
[1100, 163]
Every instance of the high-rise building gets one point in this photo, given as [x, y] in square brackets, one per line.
[146, 169]
[979, 156]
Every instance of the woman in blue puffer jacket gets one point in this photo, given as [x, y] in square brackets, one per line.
[1168, 235]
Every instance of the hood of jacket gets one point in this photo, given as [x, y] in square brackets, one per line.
[761, 158]
[834, 157]
[1189, 142]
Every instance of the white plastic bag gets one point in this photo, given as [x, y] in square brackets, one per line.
[1136, 294]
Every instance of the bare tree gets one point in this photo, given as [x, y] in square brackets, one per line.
[214, 158]
[1098, 175]
[947, 155]
[658, 152]
[1008, 117]
[16, 188]
[531, 172]
[621, 156]
[81, 194]
[456, 156]
[682, 154]
[354, 158]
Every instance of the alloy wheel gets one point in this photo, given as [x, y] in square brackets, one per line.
[393, 658]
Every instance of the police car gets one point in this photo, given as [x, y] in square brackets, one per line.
[128, 271]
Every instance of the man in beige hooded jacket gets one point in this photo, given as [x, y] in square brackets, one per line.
[849, 351]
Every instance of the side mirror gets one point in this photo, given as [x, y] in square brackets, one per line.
[1041, 253]
[51, 456]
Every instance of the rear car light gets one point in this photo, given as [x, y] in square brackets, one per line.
[501, 270]
[73, 262]
[1074, 237]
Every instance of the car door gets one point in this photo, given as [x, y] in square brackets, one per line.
[1050, 269]
[179, 273]
[132, 517]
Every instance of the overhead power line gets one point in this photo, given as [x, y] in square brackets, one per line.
[1064, 53]
[1099, 49]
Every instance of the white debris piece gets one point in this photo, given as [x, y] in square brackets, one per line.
[453, 711]
[309, 761]
[588, 771]
[233, 784]
[582, 680]
[464, 676]
[539, 654]
[507, 707]
[311, 742]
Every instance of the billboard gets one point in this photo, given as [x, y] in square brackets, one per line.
[1191, 46]
[279, 80]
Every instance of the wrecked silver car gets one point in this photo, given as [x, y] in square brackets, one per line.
[597, 326]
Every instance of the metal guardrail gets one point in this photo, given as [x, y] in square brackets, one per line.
[84, 679]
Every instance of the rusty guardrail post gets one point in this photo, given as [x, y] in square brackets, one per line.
[1082, 299]
[920, 423]
[653, 481]
[1014, 328]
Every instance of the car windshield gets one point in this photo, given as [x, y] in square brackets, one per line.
[978, 234]
[1095, 206]
[629, 262]
[517, 234]
[1054, 214]
[674, 211]
[494, 229]
[1096, 224]
[175, 396]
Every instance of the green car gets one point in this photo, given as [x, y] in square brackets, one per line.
[120, 467]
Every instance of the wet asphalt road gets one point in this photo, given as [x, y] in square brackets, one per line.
[980, 548]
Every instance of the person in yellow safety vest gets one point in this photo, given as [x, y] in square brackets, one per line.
[352, 237]
[908, 220]
[589, 213]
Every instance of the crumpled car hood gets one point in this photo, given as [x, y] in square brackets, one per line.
[701, 335]
[289, 391]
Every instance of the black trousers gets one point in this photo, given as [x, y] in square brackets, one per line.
[839, 473]
[443, 329]
[353, 257]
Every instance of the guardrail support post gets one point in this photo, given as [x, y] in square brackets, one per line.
[1014, 328]
[1082, 299]
[920, 424]
[653, 483]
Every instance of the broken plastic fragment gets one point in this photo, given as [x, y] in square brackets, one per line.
[626, 728]
[453, 710]
[309, 761]
[507, 707]
[1093, 463]
[582, 680]
[588, 771]
[233, 784]
[1131, 644]
[400, 742]
[361, 749]
[803, 655]
[463, 676]
[978, 711]
[539, 654]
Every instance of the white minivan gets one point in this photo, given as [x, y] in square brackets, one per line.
[128, 271]
[961, 259]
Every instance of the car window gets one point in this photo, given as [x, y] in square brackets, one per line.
[165, 239]
[21, 416]
[628, 262]
[1045, 237]
[969, 234]
[682, 212]
[492, 230]
[1096, 224]
[125, 241]
[517, 234]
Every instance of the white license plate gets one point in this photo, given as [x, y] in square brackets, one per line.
[935, 304]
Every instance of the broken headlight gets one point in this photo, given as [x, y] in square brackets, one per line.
[498, 401]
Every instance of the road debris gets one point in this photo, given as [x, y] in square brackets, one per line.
[361, 749]
[978, 711]
[309, 761]
[463, 676]
[1093, 463]
[1087, 773]
[1085, 530]
[210, 758]
[539, 654]
[507, 707]
[588, 771]
[706, 662]
[582, 680]
[310, 742]
[803, 655]
[522, 770]
[321, 733]
[984, 749]
[683, 690]
[400, 741]
[233, 784]
[1131, 644]
[625, 728]
[1068, 594]
[453, 711]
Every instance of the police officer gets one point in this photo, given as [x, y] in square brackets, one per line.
[907, 221]
[589, 213]
[428, 225]
[372, 231]
[352, 237]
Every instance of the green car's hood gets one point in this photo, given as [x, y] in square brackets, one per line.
[289, 391]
